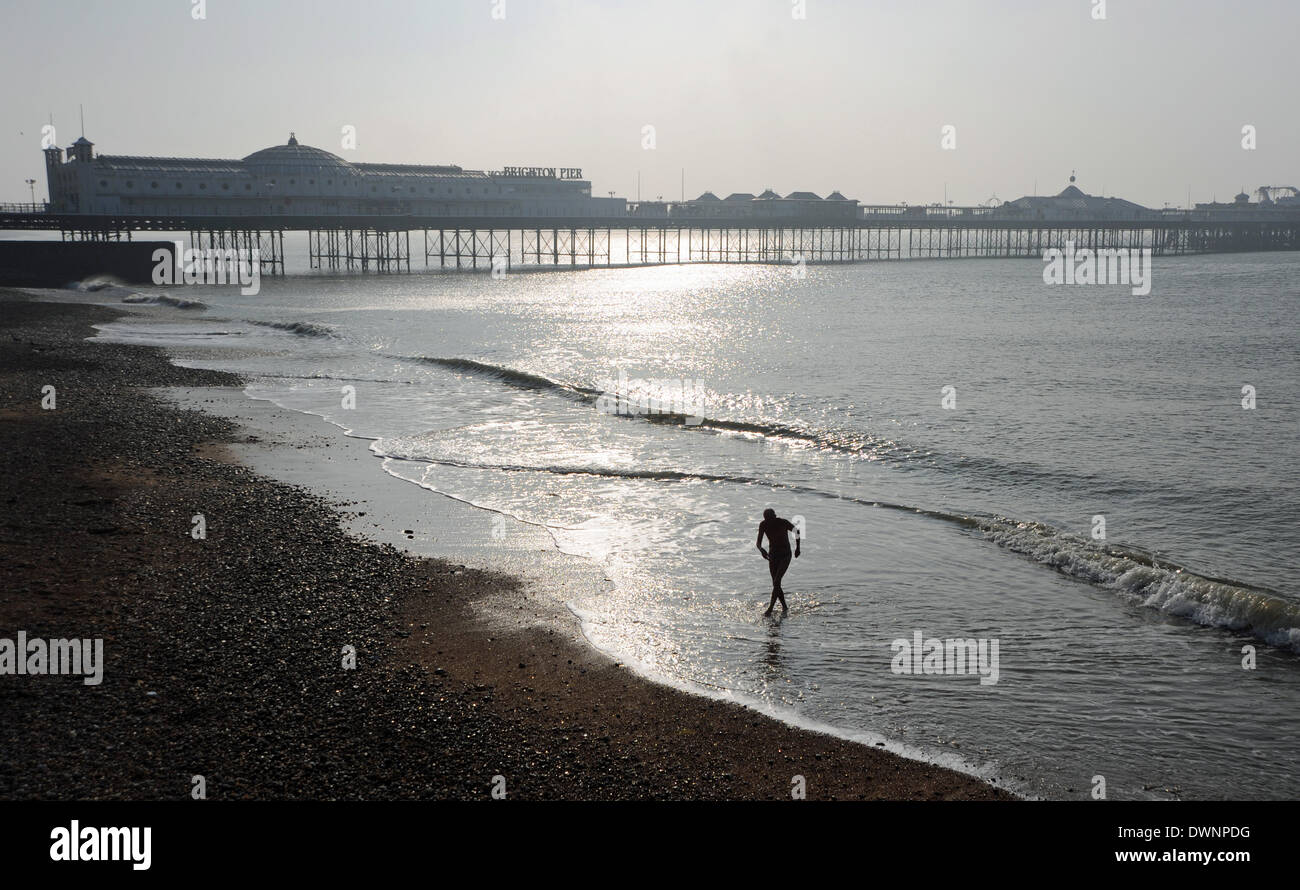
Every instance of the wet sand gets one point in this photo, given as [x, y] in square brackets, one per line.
[224, 656]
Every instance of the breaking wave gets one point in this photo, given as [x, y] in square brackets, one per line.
[108, 286]
[509, 376]
[164, 300]
[855, 443]
[1141, 578]
[97, 283]
[301, 328]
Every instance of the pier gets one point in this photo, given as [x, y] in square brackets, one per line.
[384, 243]
[361, 216]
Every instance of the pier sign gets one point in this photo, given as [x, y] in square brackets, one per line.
[544, 172]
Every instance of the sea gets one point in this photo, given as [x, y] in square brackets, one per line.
[1049, 533]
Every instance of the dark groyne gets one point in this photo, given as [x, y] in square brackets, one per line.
[58, 263]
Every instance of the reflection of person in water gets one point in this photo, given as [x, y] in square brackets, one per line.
[778, 559]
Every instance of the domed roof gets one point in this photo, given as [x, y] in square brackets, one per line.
[291, 154]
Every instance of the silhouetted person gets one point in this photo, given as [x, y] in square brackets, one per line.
[778, 560]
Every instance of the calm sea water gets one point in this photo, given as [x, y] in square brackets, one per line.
[823, 397]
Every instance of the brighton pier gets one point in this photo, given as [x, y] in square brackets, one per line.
[362, 216]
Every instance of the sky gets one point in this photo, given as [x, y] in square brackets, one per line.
[1148, 103]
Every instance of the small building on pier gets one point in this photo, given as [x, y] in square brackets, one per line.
[796, 207]
[1073, 204]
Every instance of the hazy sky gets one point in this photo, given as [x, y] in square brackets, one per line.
[1144, 104]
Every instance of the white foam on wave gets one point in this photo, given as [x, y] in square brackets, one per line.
[1171, 590]
[163, 300]
[302, 328]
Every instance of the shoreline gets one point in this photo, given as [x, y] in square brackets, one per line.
[238, 636]
[306, 450]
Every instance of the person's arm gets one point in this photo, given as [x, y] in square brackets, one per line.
[759, 542]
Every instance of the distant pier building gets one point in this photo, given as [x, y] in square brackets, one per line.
[298, 180]
[1272, 198]
[1073, 204]
[768, 206]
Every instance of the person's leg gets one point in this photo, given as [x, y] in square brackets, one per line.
[778, 572]
[774, 568]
